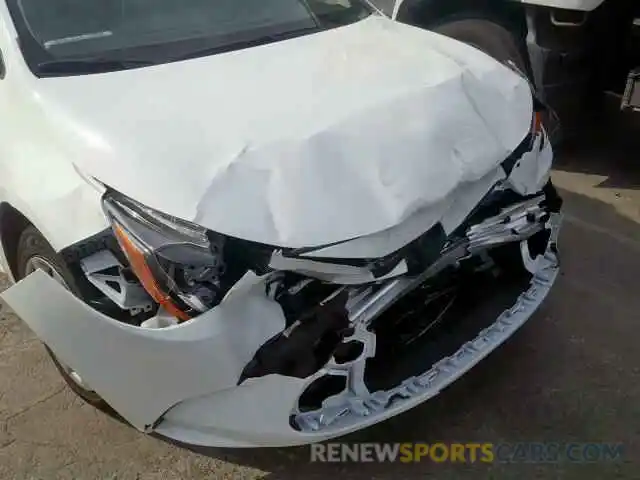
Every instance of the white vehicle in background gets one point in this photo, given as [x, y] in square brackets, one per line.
[265, 222]
[580, 54]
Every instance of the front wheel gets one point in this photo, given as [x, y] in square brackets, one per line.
[34, 252]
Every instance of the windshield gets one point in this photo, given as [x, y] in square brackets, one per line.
[126, 33]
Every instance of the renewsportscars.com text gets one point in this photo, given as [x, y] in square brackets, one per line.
[522, 452]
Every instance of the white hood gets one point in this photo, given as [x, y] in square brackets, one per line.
[304, 142]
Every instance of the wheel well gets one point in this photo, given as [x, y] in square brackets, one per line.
[12, 224]
[431, 13]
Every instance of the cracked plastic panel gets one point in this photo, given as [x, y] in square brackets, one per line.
[237, 417]
[143, 372]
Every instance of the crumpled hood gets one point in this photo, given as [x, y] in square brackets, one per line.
[304, 142]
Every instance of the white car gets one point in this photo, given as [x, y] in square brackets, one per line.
[264, 222]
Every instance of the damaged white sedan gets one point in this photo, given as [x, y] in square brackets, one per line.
[265, 222]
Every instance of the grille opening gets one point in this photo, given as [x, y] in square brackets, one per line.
[321, 389]
[414, 334]
[348, 352]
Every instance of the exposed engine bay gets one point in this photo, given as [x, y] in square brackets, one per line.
[194, 280]
[353, 344]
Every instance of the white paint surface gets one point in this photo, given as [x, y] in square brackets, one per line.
[304, 142]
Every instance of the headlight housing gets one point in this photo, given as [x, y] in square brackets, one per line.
[179, 263]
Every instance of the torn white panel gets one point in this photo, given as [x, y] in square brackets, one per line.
[236, 417]
[450, 212]
[142, 372]
[468, 199]
[342, 134]
[256, 414]
[532, 171]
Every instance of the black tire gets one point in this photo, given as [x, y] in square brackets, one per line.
[490, 37]
[498, 42]
[33, 244]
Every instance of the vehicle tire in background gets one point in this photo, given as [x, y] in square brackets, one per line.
[498, 42]
[485, 35]
[34, 252]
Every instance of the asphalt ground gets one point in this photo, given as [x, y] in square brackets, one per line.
[572, 374]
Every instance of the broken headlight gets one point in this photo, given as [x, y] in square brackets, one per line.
[179, 263]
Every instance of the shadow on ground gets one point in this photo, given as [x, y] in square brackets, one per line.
[609, 148]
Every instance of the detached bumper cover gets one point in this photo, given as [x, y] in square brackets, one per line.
[259, 413]
[182, 381]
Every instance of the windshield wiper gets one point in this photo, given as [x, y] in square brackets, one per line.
[247, 43]
[79, 66]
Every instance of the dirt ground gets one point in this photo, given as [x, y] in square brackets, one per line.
[571, 374]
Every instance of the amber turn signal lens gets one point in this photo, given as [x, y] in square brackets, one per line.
[537, 122]
[140, 267]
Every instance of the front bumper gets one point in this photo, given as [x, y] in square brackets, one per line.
[262, 412]
[182, 381]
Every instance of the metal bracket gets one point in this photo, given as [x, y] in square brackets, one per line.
[99, 269]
